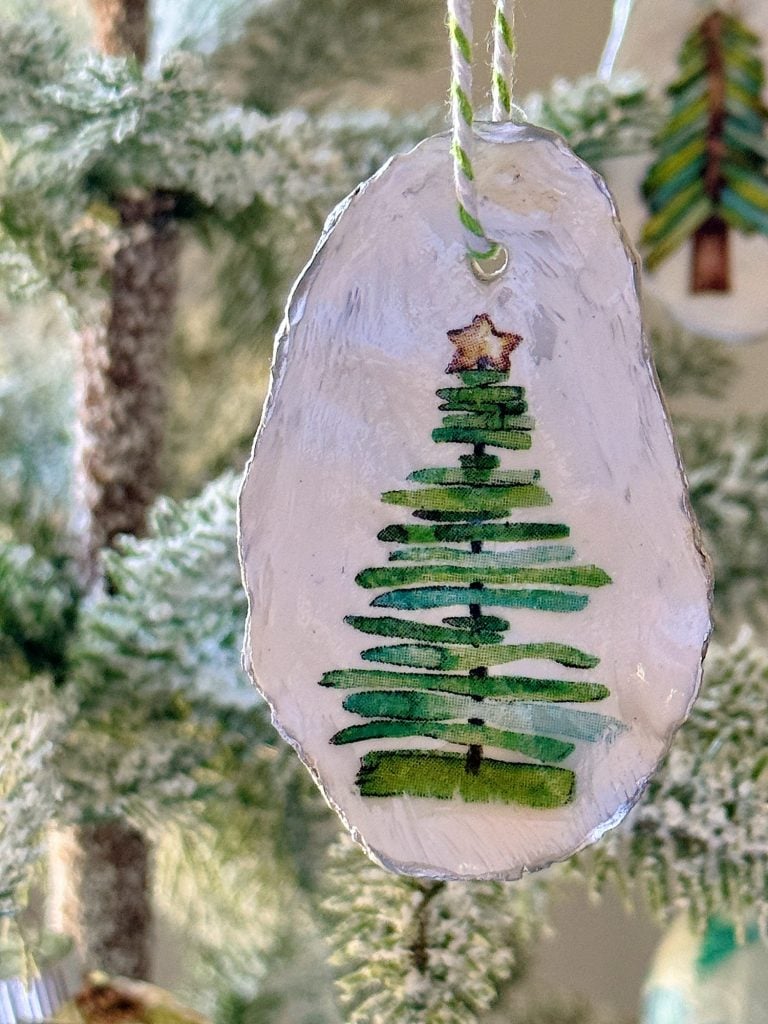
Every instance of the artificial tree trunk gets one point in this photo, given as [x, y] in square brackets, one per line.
[101, 871]
[122, 380]
[121, 27]
[103, 897]
[710, 263]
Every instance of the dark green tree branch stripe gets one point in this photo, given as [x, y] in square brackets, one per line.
[501, 396]
[499, 687]
[488, 421]
[560, 576]
[476, 499]
[516, 440]
[541, 719]
[444, 659]
[750, 141]
[480, 460]
[473, 409]
[661, 223]
[475, 477]
[443, 776]
[388, 626]
[746, 117]
[443, 597]
[742, 214]
[482, 378]
[465, 533]
[538, 554]
[540, 747]
[687, 176]
[470, 516]
[663, 169]
[472, 622]
[692, 221]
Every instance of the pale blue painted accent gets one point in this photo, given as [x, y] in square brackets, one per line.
[540, 719]
[534, 555]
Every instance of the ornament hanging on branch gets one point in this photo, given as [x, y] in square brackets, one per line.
[479, 624]
[698, 205]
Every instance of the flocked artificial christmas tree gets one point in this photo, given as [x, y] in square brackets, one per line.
[130, 706]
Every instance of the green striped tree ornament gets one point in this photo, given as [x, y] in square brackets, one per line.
[709, 176]
[477, 603]
[508, 733]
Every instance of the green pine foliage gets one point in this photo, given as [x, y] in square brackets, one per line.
[698, 841]
[727, 465]
[599, 119]
[396, 942]
[152, 659]
[93, 126]
[31, 725]
[457, 699]
[710, 165]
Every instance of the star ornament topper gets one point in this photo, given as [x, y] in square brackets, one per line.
[480, 346]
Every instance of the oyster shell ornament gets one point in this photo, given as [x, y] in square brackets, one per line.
[478, 602]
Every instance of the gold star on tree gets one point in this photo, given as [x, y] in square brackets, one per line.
[481, 347]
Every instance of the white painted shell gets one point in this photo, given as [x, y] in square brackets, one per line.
[650, 43]
[361, 353]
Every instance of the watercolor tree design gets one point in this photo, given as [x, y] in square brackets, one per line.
[710, 172]
[437, 684]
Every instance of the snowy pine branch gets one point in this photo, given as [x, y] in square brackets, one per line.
[172, 621]
[38, 602]
[30, 726]
[698, 841]
[419, 951]
[152, 660]
[599, 119]
[95, 127]
[727, 467]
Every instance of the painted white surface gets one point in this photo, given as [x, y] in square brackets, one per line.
[351, 412]
[654, 34]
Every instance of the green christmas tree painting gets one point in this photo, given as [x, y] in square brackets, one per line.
[437, 683]
[710, 172]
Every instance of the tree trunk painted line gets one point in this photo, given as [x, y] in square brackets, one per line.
[710, 264]
[121, 27]
[710, 270]
[122, 390]
[99, 880]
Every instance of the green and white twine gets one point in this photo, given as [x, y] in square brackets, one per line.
[504, 53]
[480, 248]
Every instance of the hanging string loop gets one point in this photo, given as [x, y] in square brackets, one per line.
[488, 259]
[504, 53]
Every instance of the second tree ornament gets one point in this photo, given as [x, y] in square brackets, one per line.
[478, 604]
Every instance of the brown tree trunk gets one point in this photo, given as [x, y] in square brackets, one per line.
[122, 381]
[105, 903]
[99, 883]
[122, 27]
[710, 263]
[103, 896]
[100, 872]
[711, 266]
